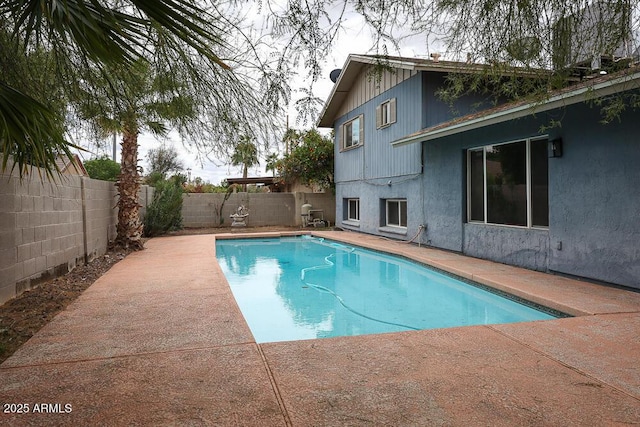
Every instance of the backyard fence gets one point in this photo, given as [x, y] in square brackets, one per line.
[46, 228]
[214, 209]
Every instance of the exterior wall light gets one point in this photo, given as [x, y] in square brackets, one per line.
[555, 147]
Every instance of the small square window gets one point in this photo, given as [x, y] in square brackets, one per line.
[396, 213]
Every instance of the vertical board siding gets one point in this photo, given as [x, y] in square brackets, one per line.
[377, 158]
[368, 86]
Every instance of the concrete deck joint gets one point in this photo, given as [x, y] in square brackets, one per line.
[557, 360]
[274, 385]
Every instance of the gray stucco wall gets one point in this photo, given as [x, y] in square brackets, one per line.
[594, 201]
[444, 196]
[522, 247]
[371, 195]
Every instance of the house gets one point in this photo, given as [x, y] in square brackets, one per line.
[73, 166]
[490, 183]
[269, 182]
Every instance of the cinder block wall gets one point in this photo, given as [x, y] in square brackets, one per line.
[100, 198]
[47, 228]
[204, 209]
[8, 253]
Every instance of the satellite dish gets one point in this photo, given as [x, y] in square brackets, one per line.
[335, 74]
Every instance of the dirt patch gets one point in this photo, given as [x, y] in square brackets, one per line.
[23, 316]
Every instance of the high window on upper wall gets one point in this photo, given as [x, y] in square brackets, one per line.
[386, 113]
[508, 184]
[352, 133]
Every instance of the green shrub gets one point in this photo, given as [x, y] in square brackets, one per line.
[165, 211]
[103, 168]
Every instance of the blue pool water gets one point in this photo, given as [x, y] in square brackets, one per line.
[303, 288]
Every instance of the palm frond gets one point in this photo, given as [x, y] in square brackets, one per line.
[109, 35]
[29, 135]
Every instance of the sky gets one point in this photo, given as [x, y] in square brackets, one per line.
[353, 40]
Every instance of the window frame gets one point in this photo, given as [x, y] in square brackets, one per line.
[343, 133]
[386, 113]
[357, 202]
[528, 182]
[400, 202]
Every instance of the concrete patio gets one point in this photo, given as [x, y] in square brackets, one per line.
[159, 340]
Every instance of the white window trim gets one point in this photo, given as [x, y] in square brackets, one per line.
[349, 218]
[386, 219]
[391, 106]
[484, 172]
[343, 129]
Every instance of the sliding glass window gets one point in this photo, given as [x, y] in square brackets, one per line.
[508, 184]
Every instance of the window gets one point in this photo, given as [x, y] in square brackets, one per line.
[508, 184]
[386, 113]
[353, 133]
[353, 209]
[396, 213]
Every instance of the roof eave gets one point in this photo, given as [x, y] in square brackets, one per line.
[560, 100]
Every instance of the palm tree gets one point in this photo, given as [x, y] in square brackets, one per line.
[143, 99]
[272, 163]
[151, 67]
[245, 154]
[79, 34]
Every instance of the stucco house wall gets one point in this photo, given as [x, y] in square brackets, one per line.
[593, 197]
[594, 202]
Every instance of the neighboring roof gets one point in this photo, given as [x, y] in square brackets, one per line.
[266, 180]
[355, 63]
[588, 89]
[71, 167]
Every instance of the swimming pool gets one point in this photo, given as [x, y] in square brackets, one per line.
[294, 288]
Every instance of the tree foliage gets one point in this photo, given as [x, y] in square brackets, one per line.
[75, 35]
[164, 160]
[551, 40]
[184, 41]
[311, 162]
[102, 168]
[32, 107]
[164, 213]
[246, 155]
[140, 66]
